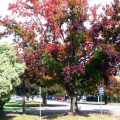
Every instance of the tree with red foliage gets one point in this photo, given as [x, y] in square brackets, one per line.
[109, 41]
[67, 45]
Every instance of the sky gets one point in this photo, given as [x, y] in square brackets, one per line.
[4, 6]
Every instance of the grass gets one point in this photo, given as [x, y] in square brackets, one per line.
[53, 116]
[19, 117]
[17, 105]
[81, 116]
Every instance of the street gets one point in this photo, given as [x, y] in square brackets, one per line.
[61, 106]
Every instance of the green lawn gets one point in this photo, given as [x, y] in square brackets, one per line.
[17, 105]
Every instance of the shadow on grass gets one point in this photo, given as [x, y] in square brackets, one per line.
[47, 116]
[85, 114]
[51, 115]
[12, 116]
[7, 117]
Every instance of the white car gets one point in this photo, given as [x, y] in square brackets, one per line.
[38, 99]
[18, 98]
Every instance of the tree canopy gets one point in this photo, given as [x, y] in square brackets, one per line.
[10, 71]
[59, 48]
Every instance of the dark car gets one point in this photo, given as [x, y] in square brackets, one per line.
[50, 97]
[59, 98]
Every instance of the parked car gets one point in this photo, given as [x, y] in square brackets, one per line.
[18, 98]
[38, 98]
[91, 98]
[50, 97]
[59, 98]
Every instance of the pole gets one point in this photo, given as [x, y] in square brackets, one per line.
[40, 101]
[98, 98]
[101, 92]
[23, 95]
[101, 106]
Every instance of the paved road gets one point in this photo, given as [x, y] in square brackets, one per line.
[83, 106]
[113, 109]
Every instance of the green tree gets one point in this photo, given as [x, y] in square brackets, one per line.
[10, 71]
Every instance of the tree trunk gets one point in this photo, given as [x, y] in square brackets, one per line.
[106, 99]
[23, 95]
[1, 108]
[44, 100]
[73, 105]
[76, 106]
[32, 98]
[2, 103]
